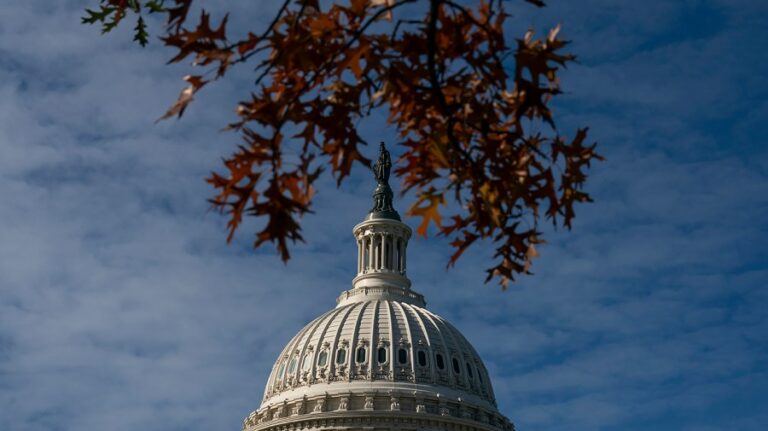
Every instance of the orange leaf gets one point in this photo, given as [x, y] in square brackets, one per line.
[353, 61]
[428, 213]
[321, 24]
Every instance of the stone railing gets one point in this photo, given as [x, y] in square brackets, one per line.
[388, 293]
[376, 404]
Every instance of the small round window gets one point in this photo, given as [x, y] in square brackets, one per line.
[322, 358]
[362, 353]
[341, 356]
[382, 355]
[456, 366]
[422, 358]
[402, 356]
[440, 361]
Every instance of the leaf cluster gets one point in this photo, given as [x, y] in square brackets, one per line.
[471, 110]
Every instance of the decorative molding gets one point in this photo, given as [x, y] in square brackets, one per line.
[305, 410]
[353, 421]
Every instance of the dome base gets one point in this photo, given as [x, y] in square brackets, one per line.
[380, 410]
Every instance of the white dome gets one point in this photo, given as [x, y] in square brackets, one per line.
[379, 360]
[343, 348]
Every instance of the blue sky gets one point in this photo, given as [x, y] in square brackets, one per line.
[122, 308]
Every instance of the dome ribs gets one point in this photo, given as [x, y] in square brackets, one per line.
[306, 344]
[445, 350]
[409, 342]
[372, 356]
[285, 357]
[320, 342]
[374, 323]
[427, 339]
[355, 342]
[455, 352]
[391, 358]
[332, 373]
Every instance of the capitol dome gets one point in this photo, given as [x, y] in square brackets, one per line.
[379, 360]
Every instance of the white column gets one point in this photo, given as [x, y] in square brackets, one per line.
[359, 256]
[383, 251]
[370, 253]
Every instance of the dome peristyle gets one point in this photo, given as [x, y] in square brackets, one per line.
[379, 360]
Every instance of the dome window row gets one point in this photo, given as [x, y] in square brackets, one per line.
[382, 359]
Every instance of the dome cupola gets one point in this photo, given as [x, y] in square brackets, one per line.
[379, 360]
[382, 240]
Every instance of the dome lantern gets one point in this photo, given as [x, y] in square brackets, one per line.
[382, 239]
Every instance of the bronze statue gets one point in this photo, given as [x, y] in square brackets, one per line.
[382, 196]
[382, 166]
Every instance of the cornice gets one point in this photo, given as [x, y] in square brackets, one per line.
[376, 408]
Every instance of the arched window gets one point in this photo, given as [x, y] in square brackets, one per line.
[307, 362]
[280, 371]
[361, 355]
[402, 356]
[440, 361]
[469, 371]
[422, 358]
[341, 356]
[456, 366]
[292, 365]
[322, 358]
[382, 355]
